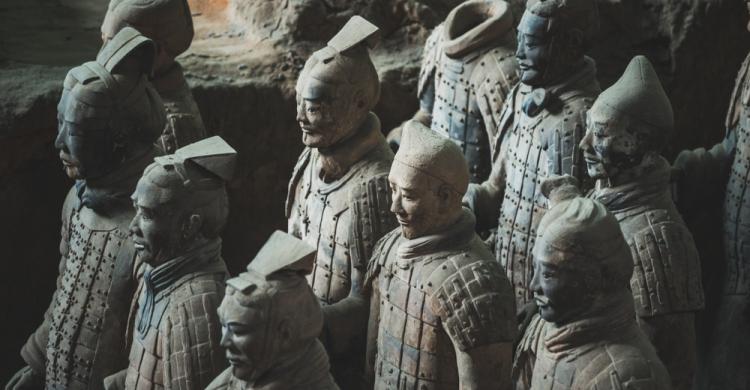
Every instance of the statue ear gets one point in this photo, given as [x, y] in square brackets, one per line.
[574, 44]
[445, 193]
[192, 226]
[284, 331]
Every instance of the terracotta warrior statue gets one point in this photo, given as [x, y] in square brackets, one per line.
[468, 69]
[715, 176]
[584, 335]
[271, 321]
[109, 117]
[442, 313]
[181, 207]
[539, 130]
[627, 127]
[338, 196]
[170, 25]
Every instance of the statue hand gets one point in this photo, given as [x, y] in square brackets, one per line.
[25, 379]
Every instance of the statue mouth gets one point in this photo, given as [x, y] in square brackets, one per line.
[541, 300]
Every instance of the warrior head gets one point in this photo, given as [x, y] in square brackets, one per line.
[269, 313]
[181, 200]
[581, 258]
[338, 86]
[167, 22]
[428, 178]
[108, 112]
[553, 36]
[629, 122]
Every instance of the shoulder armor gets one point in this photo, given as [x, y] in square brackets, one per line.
[192, 354]
[222, 381]
[733, 114]
[666, 276]
[623, 368]
[526, 351]
[69, 205]
[492, 80]
[430, 59]
[562, 134]
[370, 201]
[380, 255]
[474, 300]
[299, 169]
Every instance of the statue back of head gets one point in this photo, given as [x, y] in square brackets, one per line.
[185, 197]
[168, 22]
[108, 108]
[273, 306]
[628, 120]
[341, 80]
[428, 178]
[581, 256]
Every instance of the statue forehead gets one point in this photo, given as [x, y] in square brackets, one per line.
[603, 114]
[552, 254]
[149, 195]
[410, 178]
[231, 311]
[314, 88]
[532, 24]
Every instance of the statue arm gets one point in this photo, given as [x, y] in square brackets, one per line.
[485, 367]
[116, 381]
[425, 87]
[346, 320]
[482, 325]
[700, 175]
[191, 343]
[484, 199]
[34, 351]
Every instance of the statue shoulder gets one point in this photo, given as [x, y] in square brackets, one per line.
[624, 366]
[471, 294]
[370, 202]
[430, 59]
[221, 382]
[667, 270]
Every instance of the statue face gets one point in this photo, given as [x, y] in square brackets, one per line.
[545, 57]
[85, 153]
[417, 201]
[243, 336]
[559, 290]
[158, 231]
[534, 49]
[326, 112]
[608, 147]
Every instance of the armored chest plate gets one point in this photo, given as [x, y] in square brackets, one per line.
[146, 368]
[523, 204]
[456, 114]
[324, 220]
[81, 312]
[737, 205]
[414, 352]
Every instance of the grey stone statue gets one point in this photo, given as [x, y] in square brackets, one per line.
[338, 196]
[108, 119]
[468, 70]
[271, 321]
[627, 127]
[181, 207]
[720, 175]
[442, 314]
[538, 133]
[584, 335]
[170, 24]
